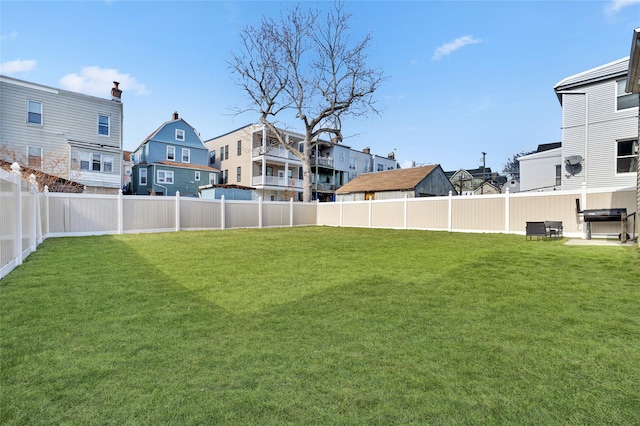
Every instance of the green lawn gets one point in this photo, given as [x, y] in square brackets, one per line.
[320, 326]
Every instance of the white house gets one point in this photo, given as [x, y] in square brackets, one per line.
[62, 133]
[542, 169]
[599, 128]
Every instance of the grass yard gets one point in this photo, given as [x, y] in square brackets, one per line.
[320, 326]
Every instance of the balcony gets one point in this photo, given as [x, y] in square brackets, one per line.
[278, 181]
[325, 187]
[273, 151]
[322, 162]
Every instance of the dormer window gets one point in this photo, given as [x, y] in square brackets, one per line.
[180, 135]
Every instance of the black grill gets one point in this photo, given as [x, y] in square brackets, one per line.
[604, 215]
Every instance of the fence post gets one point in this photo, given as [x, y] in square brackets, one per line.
[406, 210]
[449, 221]
[507, 208]
[222, 218]
[583, 189]
[291, 212]
[46, 211]
[259, 212]
[120, 212]
[177, 211]
[370, 211]
[33, 193]
[15, 169]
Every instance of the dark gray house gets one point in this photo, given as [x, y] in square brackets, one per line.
[426, 181]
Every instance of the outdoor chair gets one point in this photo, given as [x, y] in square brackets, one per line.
[554, 228]
[536, 229]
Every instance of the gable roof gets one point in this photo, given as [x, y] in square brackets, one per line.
[390, 180]
[162, 126]
[603, 72]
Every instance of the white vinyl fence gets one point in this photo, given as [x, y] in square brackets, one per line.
[27, 216]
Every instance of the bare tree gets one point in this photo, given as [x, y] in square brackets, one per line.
[304, 64]
[512, 166]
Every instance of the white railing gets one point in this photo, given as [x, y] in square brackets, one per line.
[277, 181]
[27, 217]
[273, 151]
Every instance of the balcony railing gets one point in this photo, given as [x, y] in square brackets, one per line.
[322, 161]
[273, 151]
[278, 181]
[325, 186]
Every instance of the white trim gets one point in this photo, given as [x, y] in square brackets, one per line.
[174, 153]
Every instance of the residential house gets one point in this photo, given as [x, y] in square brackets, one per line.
[599, 128]
[251, 157]
[62, 133]
[172, 159]
[467, 181]
[425, 181]
[542, 170]
[633, 86]
[127, 171]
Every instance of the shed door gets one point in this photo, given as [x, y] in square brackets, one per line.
[369, 196]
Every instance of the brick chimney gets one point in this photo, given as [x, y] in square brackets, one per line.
[174, 117]
[367, 150]
[116, 93]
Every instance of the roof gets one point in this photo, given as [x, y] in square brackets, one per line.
[633, 80]
[156, 131]
[603, 72]
[476, 173]
[390, 180]
[181, 165]
[547, 146]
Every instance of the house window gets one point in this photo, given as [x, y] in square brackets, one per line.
[626, 159]
[34, 157]
[269, 171]
[558, 174]
[85, 160]
[380, 167]
[625, 100]
[238, 175]
[171, 153]
[212, 157]
[197, 176]
[226, 152]
[107, 163]
[225, 176]
[186, 155]
[165, 176]
[212, 178]
[34, 112]
[239, 148]
[143, 177]
[179, 135]
[103, 125]
[221, 153]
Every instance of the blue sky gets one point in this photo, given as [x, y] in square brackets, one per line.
[463, 76]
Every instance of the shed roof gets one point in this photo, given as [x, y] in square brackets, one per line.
[390, 180]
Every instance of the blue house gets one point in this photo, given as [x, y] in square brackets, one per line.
[173, 158]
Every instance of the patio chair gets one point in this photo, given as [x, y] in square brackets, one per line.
[554, 228]
[536, 229]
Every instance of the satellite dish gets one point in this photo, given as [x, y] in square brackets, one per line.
[573, 160]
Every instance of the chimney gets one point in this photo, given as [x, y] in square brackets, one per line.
[116, 94]
[367, 150]
[174, 117]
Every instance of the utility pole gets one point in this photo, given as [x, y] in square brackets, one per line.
[484, 176]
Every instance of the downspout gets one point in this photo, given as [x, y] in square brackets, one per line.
[586, 132]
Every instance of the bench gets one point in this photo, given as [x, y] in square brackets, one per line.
[536, 229]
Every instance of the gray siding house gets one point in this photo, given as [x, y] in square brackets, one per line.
[542, 170]
[172, 159]
[426, 181]
[67, 134]
[599, 128]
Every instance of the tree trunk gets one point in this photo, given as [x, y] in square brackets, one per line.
[307, 175]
